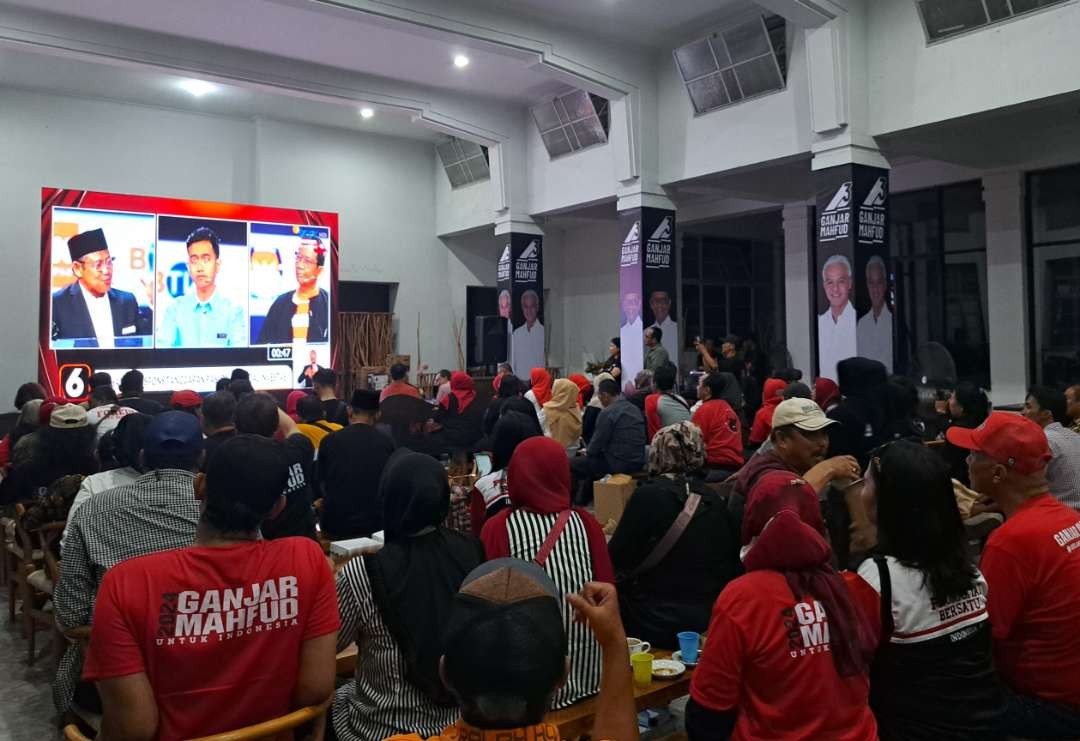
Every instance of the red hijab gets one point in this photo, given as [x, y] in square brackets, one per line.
[773, 392]
[826, 393]
[583, 385]
[538, 480]
[462, 388]
[783, 531]
[291, 401]
[541, 385]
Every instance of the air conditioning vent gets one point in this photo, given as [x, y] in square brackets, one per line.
[572, 122]
[742, 61]
[465, 162]
[944, 18]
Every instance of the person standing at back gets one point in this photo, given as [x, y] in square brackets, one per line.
[231, 631]
[325, 382]
[351, 462]
[655, 354]
[399, 383]
[1047, 408]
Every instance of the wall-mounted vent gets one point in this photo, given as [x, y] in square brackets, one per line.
[465, 162]
[571, 122]
[944, 18]
[742, 61]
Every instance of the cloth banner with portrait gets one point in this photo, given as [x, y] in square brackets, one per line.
[647, 285]
[520, 280]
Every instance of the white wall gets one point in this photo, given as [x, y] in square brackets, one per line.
[381, 187]
[574, 179]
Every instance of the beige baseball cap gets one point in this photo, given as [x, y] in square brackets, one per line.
[68, 416]
[803, 413]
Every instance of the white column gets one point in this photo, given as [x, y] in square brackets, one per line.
[797, 286]
[1006, 285]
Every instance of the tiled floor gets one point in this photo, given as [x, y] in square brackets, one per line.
[26, 709]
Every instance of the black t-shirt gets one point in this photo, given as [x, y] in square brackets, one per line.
[139, 404]
[351, 462]
[335, 411]
[211, 443]
[298, 518]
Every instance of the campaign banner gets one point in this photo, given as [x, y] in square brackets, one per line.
[506, 301]
[527, 348]
[855, 294]
[647, 285]
[631, 323]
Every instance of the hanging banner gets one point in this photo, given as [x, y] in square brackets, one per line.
[854, 274]
[527, 348]
[647, 285]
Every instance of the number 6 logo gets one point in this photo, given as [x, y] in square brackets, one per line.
[74, 381]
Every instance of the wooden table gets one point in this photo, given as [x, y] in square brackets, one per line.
[577, 720]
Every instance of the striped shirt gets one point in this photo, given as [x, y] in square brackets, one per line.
[379, 701]
[570, 567]
[1063, 470]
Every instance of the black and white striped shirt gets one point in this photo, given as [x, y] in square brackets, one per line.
[570, 567]
[379, 701]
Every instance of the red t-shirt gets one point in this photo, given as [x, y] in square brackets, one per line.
[399, 388]
[768, 657]
[216, 630]
[722, 432]
[1032, 569]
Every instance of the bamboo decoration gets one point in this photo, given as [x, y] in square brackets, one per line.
[458, 328]
[366, 340]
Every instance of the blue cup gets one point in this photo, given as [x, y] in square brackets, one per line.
[688, 646]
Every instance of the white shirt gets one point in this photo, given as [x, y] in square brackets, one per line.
[836, 340]
[530, 396]
[1063, 470]
[95, 483]
[875, 337]
[105, 418]
[670, 340]
[100, 316]
[632, 350]
[527, 349]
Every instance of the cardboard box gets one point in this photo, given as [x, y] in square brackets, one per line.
[610, 497]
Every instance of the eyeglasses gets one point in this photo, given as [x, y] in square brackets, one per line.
[99, 266]
[201, 259]
[306, 261]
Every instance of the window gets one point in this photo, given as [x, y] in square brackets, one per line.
[571, 122]
[938, 243]
[465, 162]
[1054, 218]
[360, 296]
[944, 18]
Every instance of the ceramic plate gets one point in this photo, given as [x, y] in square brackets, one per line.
[667, 669]
[677, 656]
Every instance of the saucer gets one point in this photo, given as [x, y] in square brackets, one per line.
[667, 669]
[677, 656]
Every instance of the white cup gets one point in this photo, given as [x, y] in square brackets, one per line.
[637, 646]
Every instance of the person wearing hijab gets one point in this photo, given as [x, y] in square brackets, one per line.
[394, 604]
[540, 393]
[291, 401]
[593, 408]
[460, 419]
[789, 651]
[562, 416]
[509, 387]
[584, 389]
[826, 394]
[489, 492]
[657, 599]
[541, 525]
[772, 396]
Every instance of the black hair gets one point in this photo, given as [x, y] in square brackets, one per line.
[188, 461]
[325, 377]
[131, 382]
[219, 409]
[257, 414]
[101, 378]
[797, 390]
[70, 450]
[509, 387]
[918, 522]
[222, 384]
[657, 333]
[398, 372]
[974, 401]
[126, 439]
[444, 373]
[617, 342]
[27, 392]
[788, 374]
[609, 387]
[1051, 400]
[511, 429]
[506, 367]
[310, 409]
[102, 395]
[901, 398]
[205, 234]
[716, 384]
[664, 378]
[239, 374]
[240, 388]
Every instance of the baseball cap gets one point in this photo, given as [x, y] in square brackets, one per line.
[1010, 439]
[504, 634]
[185, 400]
[247, 469]
[67, 417]
[803, 413]
[173, 433]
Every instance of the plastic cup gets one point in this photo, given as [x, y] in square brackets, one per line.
[642, 665]
[688, 646]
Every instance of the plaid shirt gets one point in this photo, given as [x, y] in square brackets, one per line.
[1063, 470]
[156, 512]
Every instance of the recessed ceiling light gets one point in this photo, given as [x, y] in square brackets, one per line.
[198, 88]
[461, 61]
[367, 112]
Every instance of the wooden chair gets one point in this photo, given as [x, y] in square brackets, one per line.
[313, 715]
[25, 561]
[39, 584]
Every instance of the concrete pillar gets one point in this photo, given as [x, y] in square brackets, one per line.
[800, 317]
[1007, 287]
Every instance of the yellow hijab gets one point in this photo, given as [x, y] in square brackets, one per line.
[561, 415]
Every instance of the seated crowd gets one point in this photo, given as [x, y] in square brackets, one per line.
[860, 570]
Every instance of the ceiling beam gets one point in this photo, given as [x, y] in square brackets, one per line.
[806, 13]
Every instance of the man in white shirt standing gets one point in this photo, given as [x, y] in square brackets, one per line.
[527, 341]
[836, 327]
[875, 330]
[1047, 408]
[660, 303]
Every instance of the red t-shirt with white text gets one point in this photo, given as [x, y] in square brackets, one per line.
[217, 631]
[1032, 568]
[767, 656]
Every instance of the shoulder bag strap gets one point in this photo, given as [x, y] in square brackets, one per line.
[887, 625]
[671, 537]
[549, 542]
[679, 399]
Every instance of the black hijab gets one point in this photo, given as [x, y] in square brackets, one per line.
[417, 573]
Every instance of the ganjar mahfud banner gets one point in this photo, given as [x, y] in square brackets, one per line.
[527, 348]
[647, 285]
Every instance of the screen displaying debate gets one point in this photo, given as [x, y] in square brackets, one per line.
[183, 290]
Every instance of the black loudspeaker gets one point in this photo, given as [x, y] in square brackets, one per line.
[490, 337]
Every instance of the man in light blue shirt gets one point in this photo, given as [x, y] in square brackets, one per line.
[203, 318]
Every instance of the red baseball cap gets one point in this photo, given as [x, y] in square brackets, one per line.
[185, 400]
[1010, 439]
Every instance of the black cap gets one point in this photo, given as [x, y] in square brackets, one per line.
[247, 469]
[364, 400]
[83, 244]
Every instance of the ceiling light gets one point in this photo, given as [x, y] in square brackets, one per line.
[461, 61]
[198, 88]
[367, 112]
